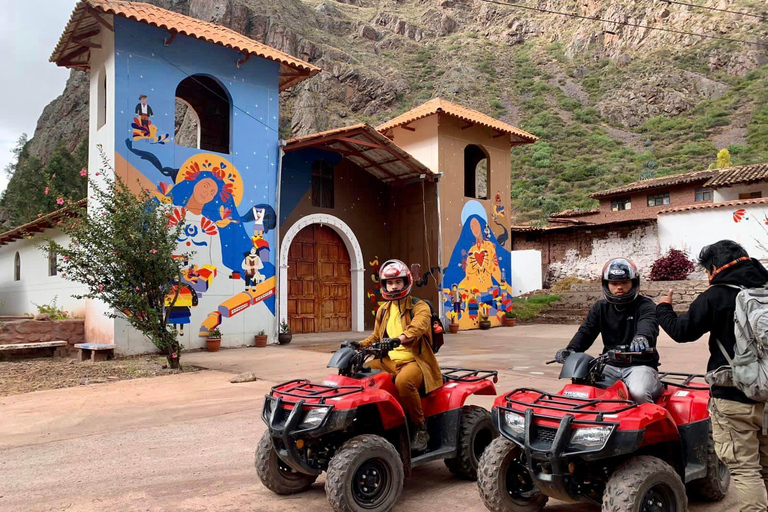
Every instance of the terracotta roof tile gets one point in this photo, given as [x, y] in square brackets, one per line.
[436, 105]
[585, 225]
[739, 174]
[711, 206]
[664, 181]
[69, 51]
[42, 223]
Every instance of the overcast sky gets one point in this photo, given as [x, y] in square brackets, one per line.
[29, 30]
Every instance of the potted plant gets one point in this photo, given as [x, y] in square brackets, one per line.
[453, 326]
[213, 340]
[285, 335]
[510, 318]
[261, 339]
[485, 324]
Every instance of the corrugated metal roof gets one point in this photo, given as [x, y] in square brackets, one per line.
[368, 149]
[585, 225]
[664, 181]
[86, 21]
[710, 206]
[436, 105]
[740, 174]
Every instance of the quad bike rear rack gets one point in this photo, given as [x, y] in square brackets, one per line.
[566, 404]
[457, 374]
[683, 380]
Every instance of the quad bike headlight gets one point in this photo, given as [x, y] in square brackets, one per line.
[313, 418]
[514, 422]
[591, 436]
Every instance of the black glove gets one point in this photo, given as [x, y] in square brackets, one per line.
[389, 343]
[639, 344]
[355, 345]
[562, 355]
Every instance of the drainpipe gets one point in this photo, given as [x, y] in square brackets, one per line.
[280, 153]
[440, 309]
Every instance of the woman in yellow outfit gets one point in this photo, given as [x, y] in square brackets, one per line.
[412, 363]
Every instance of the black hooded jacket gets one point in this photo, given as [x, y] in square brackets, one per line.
[618, 325]
[712, 312]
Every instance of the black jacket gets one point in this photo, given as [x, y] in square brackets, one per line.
[712, 312]
[618, 325]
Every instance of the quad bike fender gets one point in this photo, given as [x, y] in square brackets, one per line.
[390, 411]
[452, 395]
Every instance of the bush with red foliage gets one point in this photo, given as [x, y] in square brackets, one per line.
[673, 266]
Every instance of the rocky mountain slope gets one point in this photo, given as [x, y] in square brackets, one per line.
[611, 100]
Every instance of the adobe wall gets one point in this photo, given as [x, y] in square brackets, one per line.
[33, 331]
[678, 196]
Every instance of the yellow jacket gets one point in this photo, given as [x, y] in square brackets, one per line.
[417, 328]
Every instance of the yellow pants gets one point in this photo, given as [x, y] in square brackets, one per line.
[737, 430]
[409, 379]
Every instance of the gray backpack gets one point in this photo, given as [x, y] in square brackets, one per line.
[749, 366]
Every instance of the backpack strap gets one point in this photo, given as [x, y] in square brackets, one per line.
[725, 354]
[737, 287]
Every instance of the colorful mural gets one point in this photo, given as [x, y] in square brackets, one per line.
[373, 293]
[475, 280]
[499, 218]
[225, 200]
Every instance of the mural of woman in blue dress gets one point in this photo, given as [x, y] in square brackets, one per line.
[478, 268]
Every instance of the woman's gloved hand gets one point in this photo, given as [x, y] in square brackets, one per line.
[562, 355]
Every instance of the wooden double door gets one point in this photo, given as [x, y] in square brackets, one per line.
[319, 282]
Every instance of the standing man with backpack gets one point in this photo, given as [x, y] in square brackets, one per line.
[738, 420]
[406, 321]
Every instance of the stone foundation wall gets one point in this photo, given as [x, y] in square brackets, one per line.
[43, 329]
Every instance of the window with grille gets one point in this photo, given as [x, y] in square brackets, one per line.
[658, 199]
[322, 184]
[704, 195]
[17, 268]
[53, 260]
[618, 205]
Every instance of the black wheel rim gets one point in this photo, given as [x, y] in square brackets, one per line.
[481, 441]
[518, 482]
[287, 471]
[659, 498]
[371, 483]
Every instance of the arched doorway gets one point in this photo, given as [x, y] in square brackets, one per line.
[319, 282]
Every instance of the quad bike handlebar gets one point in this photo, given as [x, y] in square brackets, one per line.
[351, 357]
[617, 353]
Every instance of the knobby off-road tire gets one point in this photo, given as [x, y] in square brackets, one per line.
[365, 475]
[475, 434]
[714, 486]
[644, 484]
[498, 470]
[275, 474]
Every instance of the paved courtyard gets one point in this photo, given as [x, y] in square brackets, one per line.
[186, 442]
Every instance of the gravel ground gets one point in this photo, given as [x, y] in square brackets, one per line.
[24, 376]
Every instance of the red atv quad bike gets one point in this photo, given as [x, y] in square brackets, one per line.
[591, 443]
[353, 427]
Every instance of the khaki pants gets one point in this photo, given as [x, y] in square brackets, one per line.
[737, 430]
[409, 379]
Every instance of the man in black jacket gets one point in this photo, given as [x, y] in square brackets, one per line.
[737, 421]
[623, 318]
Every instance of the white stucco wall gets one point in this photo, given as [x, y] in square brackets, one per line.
[641, 246]
[35, 285]
[99, 328]
[732, 193]
[692, 230]
[526, 272]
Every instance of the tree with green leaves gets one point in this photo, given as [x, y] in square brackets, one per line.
[122, 248]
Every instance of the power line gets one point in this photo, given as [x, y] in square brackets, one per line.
[624, 23]
[758, 16]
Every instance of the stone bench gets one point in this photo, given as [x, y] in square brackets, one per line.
[57, 347]
[95, 351]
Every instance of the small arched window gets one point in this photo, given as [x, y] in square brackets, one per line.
[17, 268]
[202, 101]
[101, 99]
[53, 261]
[477, 172]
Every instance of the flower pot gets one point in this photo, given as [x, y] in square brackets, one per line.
[485, 325]
[454, 328]
[260, 340]
[213, 344]
[284, 338]
[509, 322]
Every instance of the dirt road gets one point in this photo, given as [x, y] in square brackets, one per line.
[185, 442]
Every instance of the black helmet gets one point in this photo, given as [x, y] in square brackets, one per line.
[620, 269]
